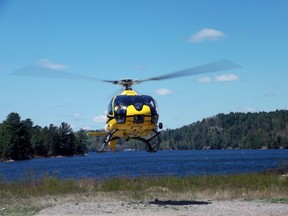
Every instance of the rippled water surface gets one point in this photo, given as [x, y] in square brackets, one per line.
[179, 163]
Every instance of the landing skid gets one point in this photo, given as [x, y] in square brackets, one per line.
[152, 143]
[152, 146]
[107, 138]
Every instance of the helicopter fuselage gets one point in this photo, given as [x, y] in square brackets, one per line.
[131, 115]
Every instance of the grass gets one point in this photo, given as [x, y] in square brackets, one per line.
[30, 195]
[246, 186]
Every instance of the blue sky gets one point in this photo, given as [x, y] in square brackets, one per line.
[116, 39]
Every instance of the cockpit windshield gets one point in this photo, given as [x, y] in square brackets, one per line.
[123, 101]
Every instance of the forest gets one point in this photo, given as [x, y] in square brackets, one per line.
[267, 130]
[21, 139]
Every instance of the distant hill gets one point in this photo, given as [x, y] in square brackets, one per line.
[231, 131]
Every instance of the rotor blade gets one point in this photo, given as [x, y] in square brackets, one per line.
[211, 67]
[111, 81]
[43, 72]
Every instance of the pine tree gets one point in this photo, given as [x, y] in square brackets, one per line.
[15, 138]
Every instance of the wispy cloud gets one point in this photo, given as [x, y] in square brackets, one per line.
[270, 95]
[163, 91]
[99, 118]
[51, 65]
[74, 127]
[226, 77]
[249, 109]
[77, 117]
[138, 67]
[207, 34]
[86, 128]
[220, 78]
[205, 79]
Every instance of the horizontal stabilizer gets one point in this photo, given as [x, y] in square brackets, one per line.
[97, 133]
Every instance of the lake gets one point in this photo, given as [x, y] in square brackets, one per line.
[162, 163]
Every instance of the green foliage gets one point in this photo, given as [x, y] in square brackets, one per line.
[21, 140]
[67, 144]
[15, 138]
[233, 130]
[248, 186]
[81, 138]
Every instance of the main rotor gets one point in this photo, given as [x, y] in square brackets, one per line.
[36, 71]
[206, 68]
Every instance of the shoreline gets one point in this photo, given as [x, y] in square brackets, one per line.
[205, 148]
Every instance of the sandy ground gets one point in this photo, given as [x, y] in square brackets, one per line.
[168, 208]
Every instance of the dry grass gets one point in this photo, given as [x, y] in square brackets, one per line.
[239, 186]
[29, 196]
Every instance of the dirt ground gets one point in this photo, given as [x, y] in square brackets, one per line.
[168, 208]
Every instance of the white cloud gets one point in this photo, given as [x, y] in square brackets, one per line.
[86, 128]
[138, 67]
[51, 65]
[76, 115]
[270, 95]
[100, 118]
[163, 91]
[249, 109]
[73, 126]
[226, 77]
[207, 34]
[220, 78]
[204, 79]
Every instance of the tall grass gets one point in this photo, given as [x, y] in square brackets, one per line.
[30, 195]
[244, 186]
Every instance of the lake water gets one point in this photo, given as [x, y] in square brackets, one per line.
[178, 163]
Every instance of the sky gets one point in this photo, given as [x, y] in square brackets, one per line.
[138, 39]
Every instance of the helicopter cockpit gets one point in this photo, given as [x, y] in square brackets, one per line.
[118, 106]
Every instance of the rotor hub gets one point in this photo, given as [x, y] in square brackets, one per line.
[127, 83]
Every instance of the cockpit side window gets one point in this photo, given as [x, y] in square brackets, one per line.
[110, 108]
[148, 100]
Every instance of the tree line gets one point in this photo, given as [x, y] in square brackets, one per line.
[231, 131]
[20, 139]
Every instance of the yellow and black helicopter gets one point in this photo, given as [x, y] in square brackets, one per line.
[130, 115]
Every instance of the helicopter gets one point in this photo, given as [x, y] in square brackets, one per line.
[130, 115]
